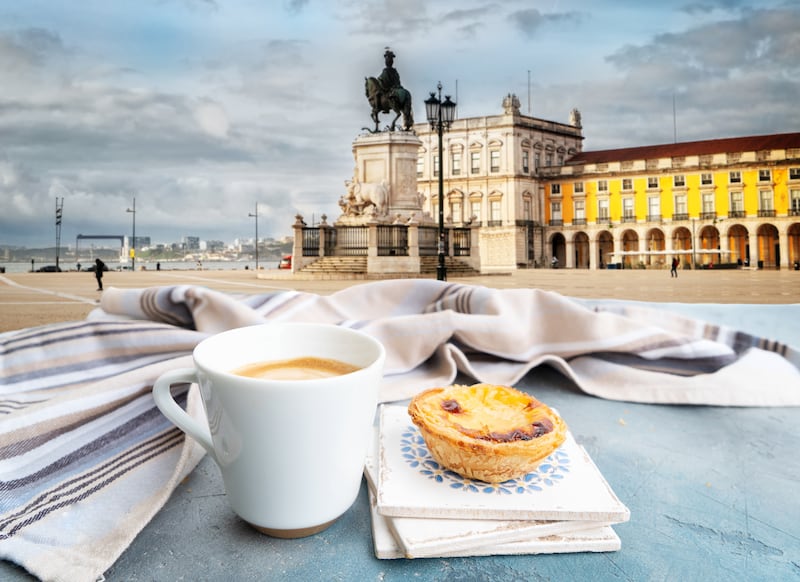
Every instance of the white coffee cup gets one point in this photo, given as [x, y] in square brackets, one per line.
[291, 452]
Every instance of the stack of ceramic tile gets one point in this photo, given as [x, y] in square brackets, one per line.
[421, 510]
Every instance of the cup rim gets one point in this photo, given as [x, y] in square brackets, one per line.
[197, 353]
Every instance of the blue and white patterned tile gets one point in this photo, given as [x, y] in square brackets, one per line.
[566, 486]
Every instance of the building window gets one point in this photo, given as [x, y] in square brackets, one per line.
[706, 179]
[455, 212]
[764, 176]
[794, 208]
[555, 210]
[475, 210]
[494, 157]
[794, 173]
[578, 186]
[494, 212]
[627, 184]
[681, 208]
[435, 165]
[527, 209]
[627, 210]
[475, 162]
[765, 201]
[602, 185]
[708, 205]
[580, 211]
[420, 166]
[735, 177]
[602, 209]
[525, 162]
[548, 160]
[652, 182]
[653, 209]
[560, 159]
[537, 160]
[456, 161]
[737, 205]
[679, 181]
[555, 189]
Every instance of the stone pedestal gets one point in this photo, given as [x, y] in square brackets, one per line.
[384, 183]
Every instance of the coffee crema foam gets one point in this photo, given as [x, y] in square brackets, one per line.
[305, 368]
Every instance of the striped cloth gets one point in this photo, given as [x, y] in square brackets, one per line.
[86, 459]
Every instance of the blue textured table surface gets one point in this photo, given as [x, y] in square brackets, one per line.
[712, 494]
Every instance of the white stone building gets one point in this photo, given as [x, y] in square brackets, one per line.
[491, 176]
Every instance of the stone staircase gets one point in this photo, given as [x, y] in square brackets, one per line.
[338, 266]
[356, 267]
[454, 266]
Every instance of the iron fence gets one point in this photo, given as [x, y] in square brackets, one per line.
[310, 242]
[393, 240]
[350, 241]
[461, 242]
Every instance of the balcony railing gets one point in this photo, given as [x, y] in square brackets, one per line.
[794, 212]
[708, 215]
[736, 214]
[653, 218]
[680, 216]
[556, 222]
[766, 213]
[628, 218]
[494, 223]
[579, 221]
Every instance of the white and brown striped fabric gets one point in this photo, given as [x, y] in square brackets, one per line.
[86, 459]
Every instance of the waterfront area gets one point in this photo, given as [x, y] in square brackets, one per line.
[30, 299]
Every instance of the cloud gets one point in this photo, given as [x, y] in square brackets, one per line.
[25, 51]
[761, 40]
[709, 6]
[212, 119]
[531, 21]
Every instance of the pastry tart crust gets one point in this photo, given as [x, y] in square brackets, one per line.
[487, 432]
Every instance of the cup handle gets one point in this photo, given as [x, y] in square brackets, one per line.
[166, 403]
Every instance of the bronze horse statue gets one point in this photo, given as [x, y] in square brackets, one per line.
[383, 103]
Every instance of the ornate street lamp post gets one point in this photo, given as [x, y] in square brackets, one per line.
[133, 238]
[251, 215]
[440, 116]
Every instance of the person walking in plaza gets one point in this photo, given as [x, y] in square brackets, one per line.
[99, 267]
[673, 272]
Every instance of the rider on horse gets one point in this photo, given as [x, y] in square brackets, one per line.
[390, 80]
[386, 94]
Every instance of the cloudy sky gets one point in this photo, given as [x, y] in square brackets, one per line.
[201, 109]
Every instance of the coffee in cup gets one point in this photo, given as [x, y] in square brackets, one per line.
[305, 368]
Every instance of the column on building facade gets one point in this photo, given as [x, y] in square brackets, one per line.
[617, 238]
[569, 260]
[593, 253]
[754, 258]
[783, 241]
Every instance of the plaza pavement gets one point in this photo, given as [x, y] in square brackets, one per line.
[31, 299]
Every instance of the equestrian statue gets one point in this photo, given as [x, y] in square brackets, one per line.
[385, 94]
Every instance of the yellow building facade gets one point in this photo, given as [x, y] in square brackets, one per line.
[728, 202]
